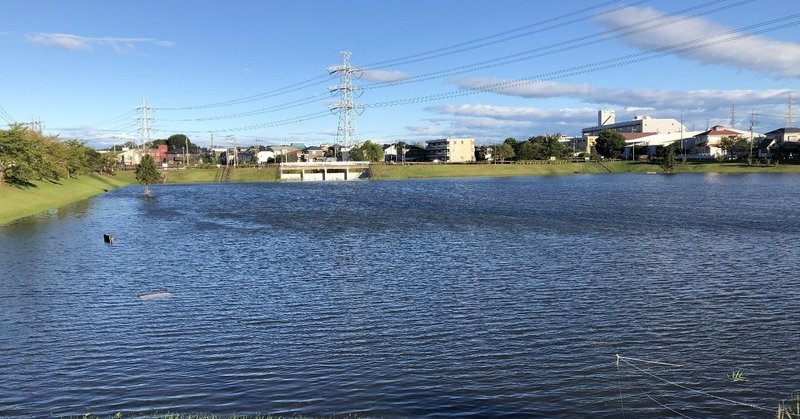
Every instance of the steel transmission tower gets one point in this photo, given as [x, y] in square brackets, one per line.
[144, 122]
[346, 107]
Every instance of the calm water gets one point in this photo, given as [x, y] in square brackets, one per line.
[466, 297]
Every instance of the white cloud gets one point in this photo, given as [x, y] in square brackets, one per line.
[756, 53]
[633, 99]
[74, 42]
[514, 113]
[530, 89]
[384, 75]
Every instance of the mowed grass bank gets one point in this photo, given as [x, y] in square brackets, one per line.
[21, 202]
[421, 171]
[701, 167]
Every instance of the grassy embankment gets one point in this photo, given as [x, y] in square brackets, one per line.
[697, 167]
[419, 171]
[21, 202]
[206, 175]
[550, 169]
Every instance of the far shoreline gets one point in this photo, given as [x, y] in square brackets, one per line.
[24, 202]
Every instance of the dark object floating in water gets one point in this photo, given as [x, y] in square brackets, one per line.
[108, 238]
[155, 295]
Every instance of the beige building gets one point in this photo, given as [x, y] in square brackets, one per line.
[455, 150]
[606, 119]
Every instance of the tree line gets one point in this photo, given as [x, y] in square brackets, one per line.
[540, 147]
[27, 155]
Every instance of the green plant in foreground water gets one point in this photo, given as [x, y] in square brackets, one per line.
[737, 376]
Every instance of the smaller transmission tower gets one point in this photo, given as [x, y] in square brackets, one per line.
[789, 113]
[346, 107]
[144, 119]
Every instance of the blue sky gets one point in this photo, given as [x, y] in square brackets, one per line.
[478, 68]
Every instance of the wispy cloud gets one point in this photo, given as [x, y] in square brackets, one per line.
[384, 75]
[635, 99]
[74, 42]
[756, 53]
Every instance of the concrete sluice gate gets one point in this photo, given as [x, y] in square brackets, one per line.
[324, 171]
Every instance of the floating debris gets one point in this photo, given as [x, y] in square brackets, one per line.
[155, 295]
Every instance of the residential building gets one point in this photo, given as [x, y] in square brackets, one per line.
[265, 156]
[132, 157]
[313, 153]
[784, 135]
[454, 150]
[707, 143]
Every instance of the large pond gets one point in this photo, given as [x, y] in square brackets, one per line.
[428, 298]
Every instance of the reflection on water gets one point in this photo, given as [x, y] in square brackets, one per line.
[479, 297]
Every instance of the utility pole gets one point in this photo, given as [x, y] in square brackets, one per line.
[346, 107]
[752, 122]
[683, 148]
[144, 122]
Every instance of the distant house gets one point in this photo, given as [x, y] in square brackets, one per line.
[784, 135]
[284, 153]
[765, 148]
[707, 143]
[483, 153]
[265, 156]
[414, 153]
[313, 154]
[390, 153]
[175, 158]
[132, 157]
[455, 150]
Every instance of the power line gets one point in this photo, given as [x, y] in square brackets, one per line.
[115, 119]
[567, 45]
[436, 53]
[7, 116]
[288, 105]
[272, 93]
[502, 36]
[643, 56]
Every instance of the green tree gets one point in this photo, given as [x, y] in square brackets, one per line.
[515, 145]
[147, 173]
[733, 144]
[504, 151]
[665, 157]
[529, 151]
[177, 142]
[368, 151]
[357, 154]
[543, 147]
[372, 151]
[609, 143]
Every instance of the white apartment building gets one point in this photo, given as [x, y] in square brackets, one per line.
[454, 150]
